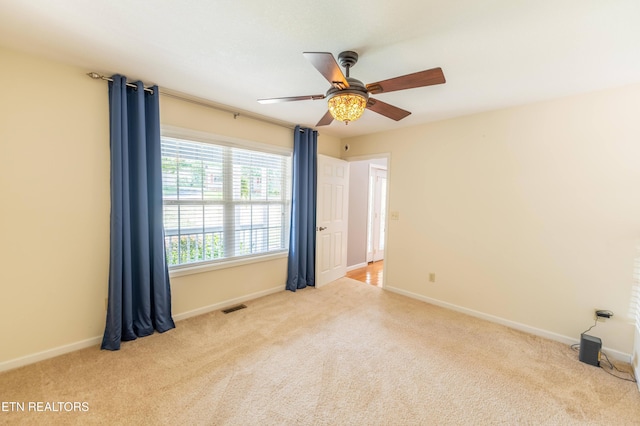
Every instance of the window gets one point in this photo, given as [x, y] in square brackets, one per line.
[224, 201]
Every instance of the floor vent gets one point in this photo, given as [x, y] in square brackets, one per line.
[233, 309]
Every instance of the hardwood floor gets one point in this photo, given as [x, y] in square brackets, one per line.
[370, 274]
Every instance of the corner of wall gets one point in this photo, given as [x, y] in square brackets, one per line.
[635, 357]
[329, 145]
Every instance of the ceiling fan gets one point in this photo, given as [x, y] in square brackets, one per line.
[347, 98]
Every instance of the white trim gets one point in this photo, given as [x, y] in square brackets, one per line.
[49, 353]
[636, 371]
[636, 352]
[371, 190]
[378, 156]
[95, 341]
[195, 136]
[180, 270]
[621, 356]
[357, 266]
[227, 303]
[206, 137]
[386, 155]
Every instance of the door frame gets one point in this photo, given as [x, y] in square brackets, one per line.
[373, 170]
[387, 157]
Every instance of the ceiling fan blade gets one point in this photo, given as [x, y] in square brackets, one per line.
[409, 81]
[326, 64]
[325, 120]
[291, 98]
[387, 110]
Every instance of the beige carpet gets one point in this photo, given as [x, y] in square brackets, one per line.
[347, 354]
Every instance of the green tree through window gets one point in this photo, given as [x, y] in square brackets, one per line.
[222, 202]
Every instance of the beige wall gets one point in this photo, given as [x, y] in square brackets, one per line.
[528, 214]
[193, 292]
[54, 214]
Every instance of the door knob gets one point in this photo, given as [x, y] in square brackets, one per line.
[322, 228]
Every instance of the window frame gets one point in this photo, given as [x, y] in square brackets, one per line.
[220, 140]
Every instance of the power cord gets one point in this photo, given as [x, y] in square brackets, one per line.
[594, 324]
[576, 347]
[613, 367]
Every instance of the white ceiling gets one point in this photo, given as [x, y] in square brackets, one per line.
[494, 53]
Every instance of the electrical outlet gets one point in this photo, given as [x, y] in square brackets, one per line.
[602, 314]
[432, 277]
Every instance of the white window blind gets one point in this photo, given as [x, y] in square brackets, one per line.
[223, 202]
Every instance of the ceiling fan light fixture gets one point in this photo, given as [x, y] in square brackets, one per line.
[348, 97]
[347, 106]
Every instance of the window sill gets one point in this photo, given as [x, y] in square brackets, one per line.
[179, 271]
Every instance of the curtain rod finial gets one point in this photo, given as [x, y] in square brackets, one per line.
[94, 75]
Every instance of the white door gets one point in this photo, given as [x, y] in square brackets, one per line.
[377, 214]
[331, 219]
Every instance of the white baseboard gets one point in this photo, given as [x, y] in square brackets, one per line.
[227, 303]
[95, 341]
[621, 356]
[358, 266]
[49, 353]
[634, 359]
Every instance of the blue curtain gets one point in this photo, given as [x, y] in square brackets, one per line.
[139, 292]
[302, 240]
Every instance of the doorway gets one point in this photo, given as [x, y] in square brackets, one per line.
[372, 274]
[367, 232]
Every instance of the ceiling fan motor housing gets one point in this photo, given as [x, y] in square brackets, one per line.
[356, 87]
[348, 59]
